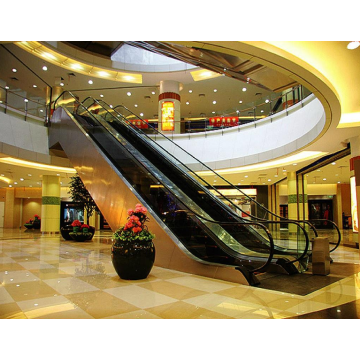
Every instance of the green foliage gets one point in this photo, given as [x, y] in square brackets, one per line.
[79, 194]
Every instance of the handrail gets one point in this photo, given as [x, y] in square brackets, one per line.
[307, 241]
[221, 244]
[197, 160]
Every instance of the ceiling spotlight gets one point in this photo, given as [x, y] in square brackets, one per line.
[353, 45]
[153, 92]
[90, 82]
[128, 93]
[141, 114]
[214, 102]
[187, 103]
[14, 70]
[136, 105]
[215, 90]
[240, 102]
[61, 84]
[267, 100]
[101, 95]
[190, 91]
[44, 67]
[244, 89]
[34, 86]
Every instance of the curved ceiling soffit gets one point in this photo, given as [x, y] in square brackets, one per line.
[286, 63]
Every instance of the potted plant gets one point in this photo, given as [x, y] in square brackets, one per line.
[33, 224]
[29, 224]
[80, 231]
[133, 251]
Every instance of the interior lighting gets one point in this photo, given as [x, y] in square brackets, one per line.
[53, 56]
[136, 105]
[101, 95]
[214, 102]
[302, 156]
[26, 100]
[240, 102]
[128, 93]
[90, 82]
[244, 89]
[199, 75]
[215, 90]
[333, 163]
[153, 92]
[353, 45]
[103, 73]
[34, 86]
[44, 68]
[39, 166]
[267, 100]
[187, 103]
[190, 91]
[14, 70]
[4, 179]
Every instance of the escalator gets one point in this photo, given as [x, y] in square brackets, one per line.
[196, 220]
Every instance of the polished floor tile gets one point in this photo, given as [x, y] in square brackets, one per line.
[46, 277]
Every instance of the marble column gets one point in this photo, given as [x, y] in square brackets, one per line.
[50, 209]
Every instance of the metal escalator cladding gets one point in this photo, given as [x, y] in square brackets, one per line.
[203, 236]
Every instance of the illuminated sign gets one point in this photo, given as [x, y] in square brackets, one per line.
[223, 121]
[140, 124]
[168, 116]
[354, 211]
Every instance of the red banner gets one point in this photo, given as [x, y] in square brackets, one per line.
[226, 121]
[140, 124]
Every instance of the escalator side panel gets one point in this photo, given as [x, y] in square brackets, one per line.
[112, 195]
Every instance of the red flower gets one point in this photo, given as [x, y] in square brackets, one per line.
[137, 229]
[85, 226]
[76, 223]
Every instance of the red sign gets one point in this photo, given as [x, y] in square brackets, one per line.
[140, 124]
[226, 121]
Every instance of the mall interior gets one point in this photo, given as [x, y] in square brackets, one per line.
[266, 133]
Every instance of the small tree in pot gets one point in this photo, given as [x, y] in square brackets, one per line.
[79, 194]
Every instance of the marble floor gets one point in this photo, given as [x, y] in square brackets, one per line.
[46, 277]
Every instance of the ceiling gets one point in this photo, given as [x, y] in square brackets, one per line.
[264, 82]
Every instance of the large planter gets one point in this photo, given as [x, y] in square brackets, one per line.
[133, 260]
[67, 229]
[81, 236]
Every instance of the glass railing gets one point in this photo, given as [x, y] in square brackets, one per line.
[17, 104]
[297, 243]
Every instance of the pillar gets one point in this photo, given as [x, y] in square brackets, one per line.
[12, 210]
[169, 107]
[50, 208]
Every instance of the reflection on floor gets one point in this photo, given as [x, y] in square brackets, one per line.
[44, 276]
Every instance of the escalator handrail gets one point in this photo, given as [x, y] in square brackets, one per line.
[283, 219]
[287, 221]
[337, 229]
[222, 245]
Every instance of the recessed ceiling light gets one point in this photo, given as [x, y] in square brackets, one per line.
[101, 95]
[136, 105]
[190, 91]
[90, 82]
[29, 175]
[7, 88]
[21, 179]
[215, 90]
[187, 103]
[128, 93]
[240, 102]
[44, 67]
[26, 100]
[333, 163]
[353, 45]
[267, 100]
[324, 179]
[141, 114]
[244, 89]
[34, 86]
[14, 70]
[214, 102]
[61, 84]
[153, 92]
[10, 185]
[213, 112]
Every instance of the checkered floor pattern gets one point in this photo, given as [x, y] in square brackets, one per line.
[46, 277]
